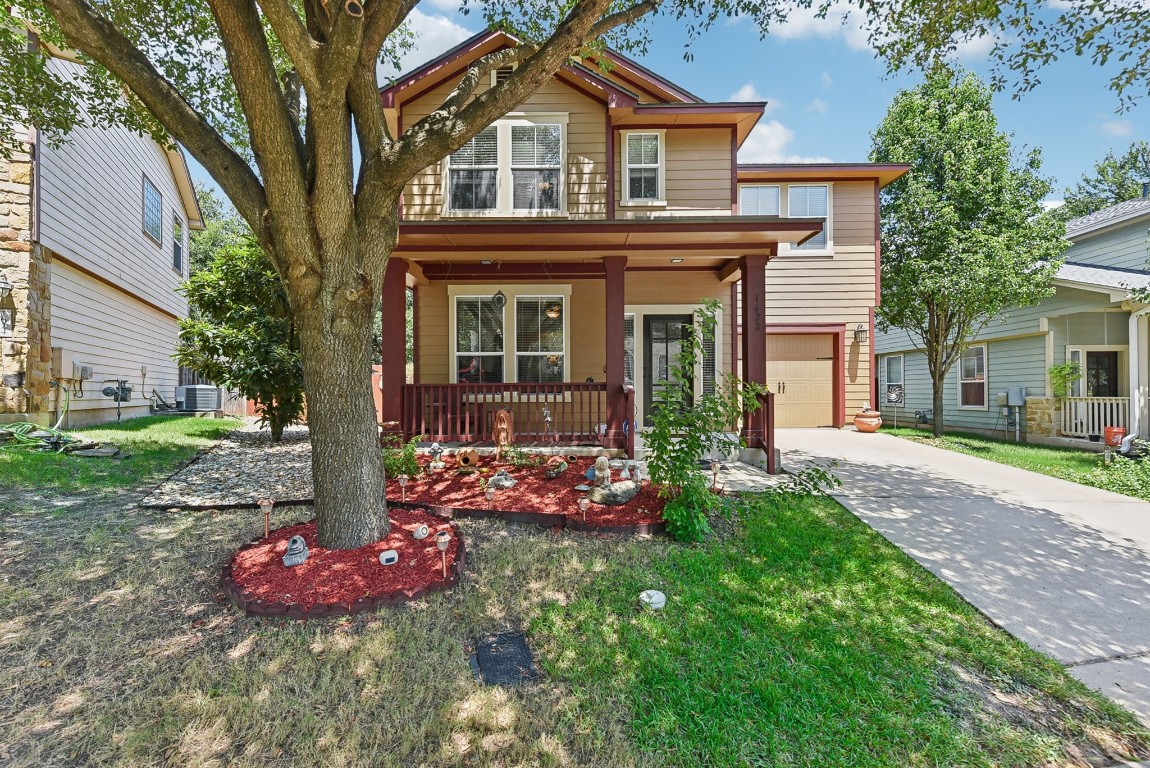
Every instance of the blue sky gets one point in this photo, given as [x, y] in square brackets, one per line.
[827, 91]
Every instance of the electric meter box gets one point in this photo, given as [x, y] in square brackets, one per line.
[1002, 398]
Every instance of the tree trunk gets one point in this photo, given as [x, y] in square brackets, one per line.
[937, 420]
[346, 465]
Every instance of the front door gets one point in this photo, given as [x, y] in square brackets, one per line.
[1102, 374]
[663, 340]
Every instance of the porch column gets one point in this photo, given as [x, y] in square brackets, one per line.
[754, 341]
[394, 350]
[614, 268]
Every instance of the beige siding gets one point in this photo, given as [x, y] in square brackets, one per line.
[116, 335]
[586, 151]
[91, 210]
[836, 289]
[698, 174]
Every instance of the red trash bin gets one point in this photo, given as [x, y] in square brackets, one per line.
[1114, 435]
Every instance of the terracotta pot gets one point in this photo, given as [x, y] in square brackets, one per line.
[868, 421]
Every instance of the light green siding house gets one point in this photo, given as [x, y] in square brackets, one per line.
[1090, 318]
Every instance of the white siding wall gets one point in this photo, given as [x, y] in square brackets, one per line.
[116, 335]
[91, 210]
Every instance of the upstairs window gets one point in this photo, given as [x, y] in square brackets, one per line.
[643, 176]
[153, 211]
[474, 173]
[514, 167]
[177, 244]
[760, 200]
[478, 340]
[810, 201]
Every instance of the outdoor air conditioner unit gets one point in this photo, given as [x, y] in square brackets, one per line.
[201, 397]
[181, 397]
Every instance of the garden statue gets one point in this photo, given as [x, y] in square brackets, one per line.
[436, 453]
[501, 432]
[602, 471]
[467, 459]
[296, 551]
[501, 481]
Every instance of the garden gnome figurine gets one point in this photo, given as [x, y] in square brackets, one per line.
[602, 471]
[296, 551]
[436, 453]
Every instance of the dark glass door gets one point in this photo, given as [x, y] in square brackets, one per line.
[664, 337]
[1102, 374]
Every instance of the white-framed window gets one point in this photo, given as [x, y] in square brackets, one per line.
[153, 220]
[893, 365]
[644, 169]
[972, 378]
[893, 392]
[478, 340]
[760, 200]
[540, 341]
[178, 244]
[514, 167]
[811, 201]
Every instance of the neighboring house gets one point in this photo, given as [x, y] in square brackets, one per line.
[94, 242]
[1091, 319]
[556, 257]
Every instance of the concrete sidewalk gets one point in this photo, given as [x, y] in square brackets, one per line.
[1063, 567]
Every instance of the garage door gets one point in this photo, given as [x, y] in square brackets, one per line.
[800, 371]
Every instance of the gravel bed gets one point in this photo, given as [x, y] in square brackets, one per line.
[244, 467]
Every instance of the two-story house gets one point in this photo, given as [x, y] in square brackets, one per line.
[1002, 383]
[93, 245]
[556, 257]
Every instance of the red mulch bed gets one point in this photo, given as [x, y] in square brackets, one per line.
[533, 493]
[349, 578]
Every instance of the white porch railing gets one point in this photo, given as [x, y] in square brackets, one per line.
[1085, 416]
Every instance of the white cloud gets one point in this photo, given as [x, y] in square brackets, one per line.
[748, 92]
[827, 80]
[768, 144]
[434, 34]
[444, 5]
[838, 22]
[1050, 205]
[1119, 128]
[976, 48]
[818, 105]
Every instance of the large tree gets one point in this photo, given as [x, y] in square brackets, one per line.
[278, 100]
[1115, 179]
[223, 228]
[963, 232]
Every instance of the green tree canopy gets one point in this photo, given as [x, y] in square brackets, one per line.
[223, 228]
[963, 232]
[1115, 179]
[241, 334]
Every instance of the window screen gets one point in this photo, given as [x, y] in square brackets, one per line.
[474, 173]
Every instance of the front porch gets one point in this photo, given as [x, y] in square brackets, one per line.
[569, 326]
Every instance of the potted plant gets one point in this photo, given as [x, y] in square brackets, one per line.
[867, 420]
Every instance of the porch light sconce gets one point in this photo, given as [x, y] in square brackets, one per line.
[5, 286]
[861, 334]
[554, 311]
[499, 300]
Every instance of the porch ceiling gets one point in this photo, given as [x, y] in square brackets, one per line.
[712, 239]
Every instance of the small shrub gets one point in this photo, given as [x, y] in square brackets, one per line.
[686, 514]
[1127, 476]
[518, 457]
[401, 458]
[812, 480]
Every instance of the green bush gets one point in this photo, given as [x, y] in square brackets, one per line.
[1127, 476]
[401, 458]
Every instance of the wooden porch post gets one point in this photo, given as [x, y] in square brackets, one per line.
[394, 350]
[754, 342]
[614, 268]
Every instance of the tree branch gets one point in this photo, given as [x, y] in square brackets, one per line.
[381, 20]
[625, 16]
[300, 47]
[98, 38]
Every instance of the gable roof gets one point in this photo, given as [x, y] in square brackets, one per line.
[1115, 214]
[1112, 280]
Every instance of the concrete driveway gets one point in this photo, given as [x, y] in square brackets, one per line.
[1063, 567]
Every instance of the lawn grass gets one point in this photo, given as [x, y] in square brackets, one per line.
[1078, 466]
[154, 446]
[811, 641]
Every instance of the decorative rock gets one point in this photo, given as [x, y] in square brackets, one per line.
[98, 453]
[389, 557]
[553, 471]
[296, 551]
[652, 599]
[614, 494]
[420, 532]
[602, 471]
[502, 481]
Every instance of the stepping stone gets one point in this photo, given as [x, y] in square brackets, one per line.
[505, 659]
[615, 494]
[98, 453]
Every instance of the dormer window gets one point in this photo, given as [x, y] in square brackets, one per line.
[643, 176]
[511, 168]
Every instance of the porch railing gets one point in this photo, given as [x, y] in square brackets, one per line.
[466, 412]
[1085, 416]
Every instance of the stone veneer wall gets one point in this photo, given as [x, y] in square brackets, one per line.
[1043, 416]
[26, 359]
